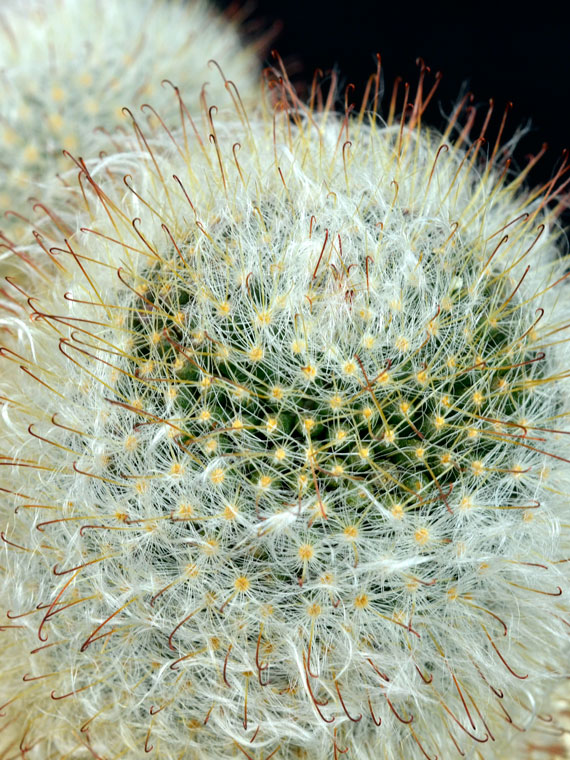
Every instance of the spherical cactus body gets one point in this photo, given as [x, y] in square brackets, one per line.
[285, 453]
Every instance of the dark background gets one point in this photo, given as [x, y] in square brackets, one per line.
[523, 58]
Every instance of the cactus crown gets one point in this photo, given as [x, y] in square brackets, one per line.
[296, 420]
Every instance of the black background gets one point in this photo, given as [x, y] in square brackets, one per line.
[523, 57]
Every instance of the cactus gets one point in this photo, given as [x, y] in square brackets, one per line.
[69, 67]
[284, 448]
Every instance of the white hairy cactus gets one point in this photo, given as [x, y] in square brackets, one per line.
[68, 67]
[284, 448]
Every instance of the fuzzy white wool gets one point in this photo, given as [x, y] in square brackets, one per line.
[294, 418]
